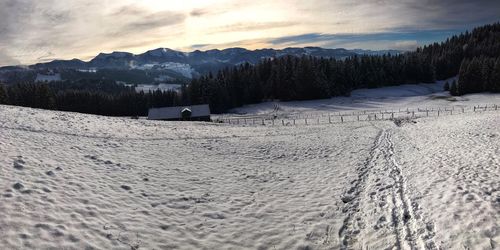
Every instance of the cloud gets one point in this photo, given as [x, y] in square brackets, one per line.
[199, 12]
[302, 39]
[199, 46]
[251, 26]
[406, 45]
[385, 40]
[135, 17]
[446, 14]
[5, 59]
[152, 21]
[33, 31]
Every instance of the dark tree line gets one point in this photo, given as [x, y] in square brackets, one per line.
[478, 74]
[87, 96]
[291, 78]
[473, 57]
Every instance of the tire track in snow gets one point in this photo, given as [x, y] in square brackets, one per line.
[379, 211]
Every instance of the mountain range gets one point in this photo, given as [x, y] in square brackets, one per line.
[177, 65]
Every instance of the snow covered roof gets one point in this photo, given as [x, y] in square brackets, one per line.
[176, 112]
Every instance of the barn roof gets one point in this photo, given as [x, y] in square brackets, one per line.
[176, 112]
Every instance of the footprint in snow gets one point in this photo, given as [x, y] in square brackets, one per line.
[19, 163]
[18, 186]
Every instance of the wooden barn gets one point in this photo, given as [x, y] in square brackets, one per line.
[181, 113]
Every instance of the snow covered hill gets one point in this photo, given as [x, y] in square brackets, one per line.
[74, 181]
[386, 98]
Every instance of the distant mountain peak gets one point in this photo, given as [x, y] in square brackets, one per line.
[172, 63]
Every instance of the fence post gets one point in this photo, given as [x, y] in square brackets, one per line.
[294, 122]
[273, 122]
[375, 117]
[392, 115]
[438, 112]
[306, 121]
[358, 118]
[329, 119]
[427, 111]
[413, 114]
[318, 120]
[283, 122]
[342, 119]
[263, 123]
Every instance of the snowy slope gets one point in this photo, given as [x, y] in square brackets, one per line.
[73, 181]
[182, 68]
[48, 78]
[162, 86]
[387, 98]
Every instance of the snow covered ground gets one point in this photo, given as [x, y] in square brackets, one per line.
[74, 181]
[154, 87]
[388, 98]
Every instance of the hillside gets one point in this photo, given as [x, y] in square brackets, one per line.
[412, 96]
[79, 181]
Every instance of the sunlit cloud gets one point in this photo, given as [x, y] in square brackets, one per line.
[34, 31]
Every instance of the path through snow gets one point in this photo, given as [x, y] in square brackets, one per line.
[73, 181]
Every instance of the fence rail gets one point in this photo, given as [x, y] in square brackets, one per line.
[352, 116]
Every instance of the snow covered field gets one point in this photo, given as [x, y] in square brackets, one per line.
[73, 181]
[388, 98]
[162, 86]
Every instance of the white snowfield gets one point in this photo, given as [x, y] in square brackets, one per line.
[410, 96]
[74, 181]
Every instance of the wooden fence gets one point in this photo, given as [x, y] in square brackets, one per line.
[351, 116]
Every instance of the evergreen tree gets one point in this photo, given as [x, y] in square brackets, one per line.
[3, 95]
[447, 86]
[453, 88]
[495, 77]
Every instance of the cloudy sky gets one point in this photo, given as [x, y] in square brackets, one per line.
[42, 30]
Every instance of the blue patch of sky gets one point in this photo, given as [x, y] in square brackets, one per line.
[422, 37]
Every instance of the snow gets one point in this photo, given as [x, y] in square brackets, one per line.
[182, 68]
[162, 86]
[388, 98]
[92, 70]
[75, 181]
[164, 78]
[48, 78]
